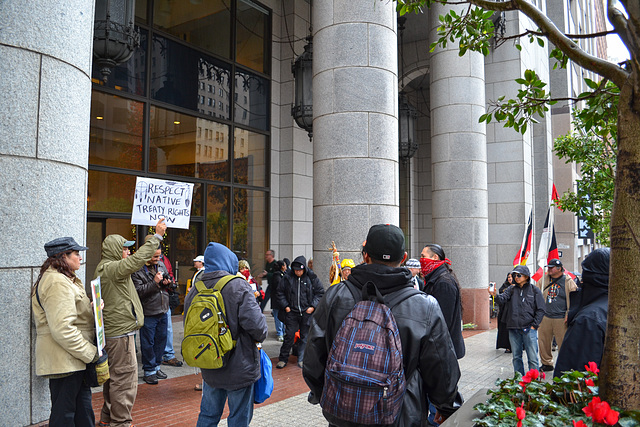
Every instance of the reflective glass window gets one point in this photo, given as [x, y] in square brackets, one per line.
[178, 73]
[253, 110]
[110, 192]
[218, 214]
[141, 11]
[180, 144]
[129, 76]
[116, 131]
[249, 225]
[196, 22]
[250, 154]
[251, 33]
[97, 230]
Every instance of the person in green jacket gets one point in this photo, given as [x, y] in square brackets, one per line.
[123, 316]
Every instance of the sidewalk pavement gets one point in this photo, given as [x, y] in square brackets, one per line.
[174, 402]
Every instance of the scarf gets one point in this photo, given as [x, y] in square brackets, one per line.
[428, 265]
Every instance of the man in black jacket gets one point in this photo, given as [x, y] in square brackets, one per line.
[430, 364]
[525, 312]
[298, 295]
[154, 296]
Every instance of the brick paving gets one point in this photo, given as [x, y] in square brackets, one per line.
[174, 402]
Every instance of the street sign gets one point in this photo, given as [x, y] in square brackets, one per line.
[584, 232]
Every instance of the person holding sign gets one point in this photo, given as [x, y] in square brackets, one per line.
[123, 315]
[65, 333]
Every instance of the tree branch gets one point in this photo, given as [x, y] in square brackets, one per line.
[613, 72]
[571, 36]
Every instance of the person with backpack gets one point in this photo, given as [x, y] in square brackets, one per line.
[240, 368]
[429, 366]
[299, 292]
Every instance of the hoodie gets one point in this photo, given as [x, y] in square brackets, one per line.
[299, 293]
[247, 324]
[122, 311]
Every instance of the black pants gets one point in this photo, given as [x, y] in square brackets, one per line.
[293, 322]
[71, 402]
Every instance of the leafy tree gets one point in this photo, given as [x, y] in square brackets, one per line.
[593, 146]
[472, 27]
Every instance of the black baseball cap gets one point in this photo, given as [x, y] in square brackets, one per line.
[385, 242]
[555, 263]
[62, 244]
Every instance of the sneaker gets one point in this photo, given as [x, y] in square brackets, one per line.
[281, 364]
[161, 375]
[300, 365]
[150, 379]
[280, 338]
[172, 362]
[546, 368]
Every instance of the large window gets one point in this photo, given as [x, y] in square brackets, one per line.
[191, 104]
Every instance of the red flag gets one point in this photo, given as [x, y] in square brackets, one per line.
[538, 274]
[555, 199]
[553, 247]
[525, 247]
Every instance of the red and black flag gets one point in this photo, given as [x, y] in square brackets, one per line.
[525, 247]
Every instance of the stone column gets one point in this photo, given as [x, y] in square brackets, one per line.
[459, 162]
[45, 87]
[355, 126]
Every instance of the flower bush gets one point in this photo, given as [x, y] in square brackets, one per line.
[570, 400]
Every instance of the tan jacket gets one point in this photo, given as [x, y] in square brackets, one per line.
[569, 286]
[65, 327]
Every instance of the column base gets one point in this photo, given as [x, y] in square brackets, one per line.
[475, 307]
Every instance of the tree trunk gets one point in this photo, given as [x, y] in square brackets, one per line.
[620, 371]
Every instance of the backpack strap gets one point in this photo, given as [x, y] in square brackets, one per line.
[222, 282]
[390, 300]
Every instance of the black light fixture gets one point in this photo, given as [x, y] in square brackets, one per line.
[302, 69]
[115, 37]
[407, 114]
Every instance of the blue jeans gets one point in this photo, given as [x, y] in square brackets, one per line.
[153, 337]
[529, 339]
[169, 353]
[279, 324]
[212, 405]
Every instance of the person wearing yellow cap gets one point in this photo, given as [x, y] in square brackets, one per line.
[345, 268]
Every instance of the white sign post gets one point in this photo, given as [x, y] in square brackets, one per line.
[156, 198]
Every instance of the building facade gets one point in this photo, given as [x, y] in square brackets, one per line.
[206, 98]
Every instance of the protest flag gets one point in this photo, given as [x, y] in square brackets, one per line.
[525, 247]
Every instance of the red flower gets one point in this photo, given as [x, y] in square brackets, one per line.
[592, 367]
[589, 382]
[579, 424]
[601, 412]
[520, 413]
[543, 375]
[528, 377]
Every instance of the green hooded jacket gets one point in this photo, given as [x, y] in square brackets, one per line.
[122, 308]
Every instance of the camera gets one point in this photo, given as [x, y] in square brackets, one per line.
[171, 286]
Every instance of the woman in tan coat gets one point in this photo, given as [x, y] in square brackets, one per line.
[65, 334]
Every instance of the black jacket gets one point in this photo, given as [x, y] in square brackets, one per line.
[525, 306]
[275, 285]
[430, 363]
[584, 340]
[154, 297]
[443, 286]
[299, 293]
[247, 325]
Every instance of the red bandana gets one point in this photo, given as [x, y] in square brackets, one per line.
[428, 265]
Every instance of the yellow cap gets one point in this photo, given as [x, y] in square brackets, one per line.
[347, 263]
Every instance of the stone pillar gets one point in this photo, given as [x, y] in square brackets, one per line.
[45, 87]
[355, 126]
[459, 162]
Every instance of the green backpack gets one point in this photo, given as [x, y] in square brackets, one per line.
[207, 337]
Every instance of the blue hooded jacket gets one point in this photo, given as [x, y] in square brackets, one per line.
[218, 257]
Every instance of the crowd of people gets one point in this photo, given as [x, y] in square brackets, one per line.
[136, 291]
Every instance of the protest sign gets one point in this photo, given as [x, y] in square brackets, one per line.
[97, 314]
[156, 198]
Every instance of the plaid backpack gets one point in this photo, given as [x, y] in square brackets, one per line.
[364, 375]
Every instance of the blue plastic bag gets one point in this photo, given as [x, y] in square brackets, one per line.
[263, 388]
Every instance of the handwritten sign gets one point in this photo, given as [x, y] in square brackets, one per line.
[97, 313]
[155, 199]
